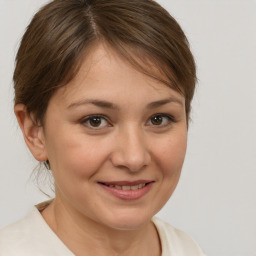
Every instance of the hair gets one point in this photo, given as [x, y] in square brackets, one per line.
[63, 31]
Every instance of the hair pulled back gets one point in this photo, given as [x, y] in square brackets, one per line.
[63, 31]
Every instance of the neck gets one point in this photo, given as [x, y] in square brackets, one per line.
[83, 235]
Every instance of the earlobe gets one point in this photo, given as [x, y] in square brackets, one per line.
[32, 132]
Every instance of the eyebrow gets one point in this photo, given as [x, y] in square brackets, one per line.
[160, 103]
[110, 105]
[99, 103]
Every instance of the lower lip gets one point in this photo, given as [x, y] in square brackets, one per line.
[128, 194]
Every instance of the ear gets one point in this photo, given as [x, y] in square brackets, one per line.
[33, 133]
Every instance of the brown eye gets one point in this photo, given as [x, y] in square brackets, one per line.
[160, 120]
[157, 120]
[95, 122]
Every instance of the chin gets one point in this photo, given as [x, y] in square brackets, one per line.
[130, 221]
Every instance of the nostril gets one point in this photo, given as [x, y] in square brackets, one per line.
[131, 153]
[131, 163]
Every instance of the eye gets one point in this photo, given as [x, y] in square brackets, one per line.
[160, 120]
[95, 122]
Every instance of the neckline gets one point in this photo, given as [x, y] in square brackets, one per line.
[41, 206]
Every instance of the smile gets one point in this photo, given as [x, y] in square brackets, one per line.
[127, 187]
[127, 190]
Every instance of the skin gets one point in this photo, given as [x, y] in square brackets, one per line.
[129, 144]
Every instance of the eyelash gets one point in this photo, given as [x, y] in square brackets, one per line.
[170, 119]
[86, 121]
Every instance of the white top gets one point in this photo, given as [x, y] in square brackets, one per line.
[32, 236]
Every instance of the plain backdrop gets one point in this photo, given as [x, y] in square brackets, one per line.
[215, 200]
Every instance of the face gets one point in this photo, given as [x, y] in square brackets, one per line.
[116, 141]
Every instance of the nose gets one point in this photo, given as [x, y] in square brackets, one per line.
[131, 151]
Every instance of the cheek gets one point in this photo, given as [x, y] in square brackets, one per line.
[169, 156]
[76, 157]
[171, 153]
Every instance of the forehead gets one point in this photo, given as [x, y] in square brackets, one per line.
[106, 73]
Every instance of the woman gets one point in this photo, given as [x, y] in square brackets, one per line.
[102, 96]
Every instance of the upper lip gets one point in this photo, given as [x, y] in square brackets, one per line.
[125, 182]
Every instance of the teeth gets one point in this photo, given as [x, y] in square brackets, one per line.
[128, 187]
[134, 187]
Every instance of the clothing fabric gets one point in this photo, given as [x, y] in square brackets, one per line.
[32, 236]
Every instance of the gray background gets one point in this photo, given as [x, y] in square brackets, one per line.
[215, 200]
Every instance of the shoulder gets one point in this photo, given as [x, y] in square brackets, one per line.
[14, 236]
[30, 236]
[175, 241]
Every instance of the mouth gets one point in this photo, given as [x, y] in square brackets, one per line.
[126, 189]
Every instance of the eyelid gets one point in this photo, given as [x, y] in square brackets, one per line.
[85, 119]
[170, 118]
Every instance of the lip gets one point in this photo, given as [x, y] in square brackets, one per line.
[127, 194]
[125, 183]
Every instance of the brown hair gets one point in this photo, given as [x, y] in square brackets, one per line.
[61, 33]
